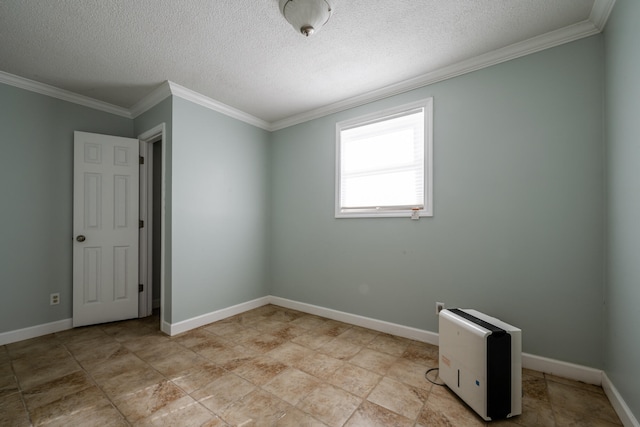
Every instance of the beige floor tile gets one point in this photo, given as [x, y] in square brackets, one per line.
[285, 314]
[228, 330]
[177, 362]
[13, 411]
[150, 343]
[229, 357]
[309, 321]
[195, 337]
[535, 413]
[198, 376]
[572, 383]
[56, 389]
[47, 345]
[5, 367]
[79, 336]
[161, 397]
[93, 353]
[443, 407]
[333, 328]
[532, 373]
[534, 387]
[373, 360]
[581, 401]
[425, 354]
[372, 415]
[86, 407]
[32, 372]
[296, 418]
[389, 344]
[359, 336]
[4, 354]
[290, 353]
[216, 421]
[223, 392]
[130, 381]
[260, 370]
[269, 325]
[410, 373]
[319, 365]
[289, 331]
[157, 350]
[330, 405]
[191, 414]
[354, 379]
[248, 319]
[127, 331]
[119, 363]
[8, 381]
[257, 408]
[292, 385]
[398, 397]
[262, 343]
[340, 349]
[565, 417]
[312, 339]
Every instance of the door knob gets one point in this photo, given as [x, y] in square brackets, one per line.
[81, 238]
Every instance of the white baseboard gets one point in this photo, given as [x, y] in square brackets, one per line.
[214, 316]
[35, 331]
[562, 369]
[618, 403]
[354, 319]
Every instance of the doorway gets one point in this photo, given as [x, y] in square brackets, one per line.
[152, 217]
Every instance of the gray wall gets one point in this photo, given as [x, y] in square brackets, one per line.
[220, 187]
[622, 339]
[518, 201]
[36, 186]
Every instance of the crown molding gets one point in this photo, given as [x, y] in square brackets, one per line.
[212, 104]
[516, 50]
[151, 100]
[65, 95]
[595, 24]
[600, 12]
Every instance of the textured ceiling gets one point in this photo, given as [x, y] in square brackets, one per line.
[244, 54]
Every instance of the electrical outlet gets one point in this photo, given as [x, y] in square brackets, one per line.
[439, 307]
[54, 299]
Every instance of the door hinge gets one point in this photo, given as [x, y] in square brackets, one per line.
[140, 223]
[140, 287]
[141, 160]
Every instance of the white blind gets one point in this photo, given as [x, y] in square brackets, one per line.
[382, 164]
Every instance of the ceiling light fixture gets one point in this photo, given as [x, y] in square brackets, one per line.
[306, 16]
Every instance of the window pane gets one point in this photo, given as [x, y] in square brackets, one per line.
[391, 189]
[380, 151]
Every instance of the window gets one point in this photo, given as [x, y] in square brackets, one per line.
[384, 163]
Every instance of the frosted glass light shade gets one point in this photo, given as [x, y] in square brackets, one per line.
[306, 16]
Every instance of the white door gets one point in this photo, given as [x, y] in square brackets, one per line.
[105, 226]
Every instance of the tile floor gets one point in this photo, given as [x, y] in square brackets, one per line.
[267, 367]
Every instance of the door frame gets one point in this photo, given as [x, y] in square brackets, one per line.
[147, 139]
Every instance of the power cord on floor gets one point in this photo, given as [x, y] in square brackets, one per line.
[426, 375]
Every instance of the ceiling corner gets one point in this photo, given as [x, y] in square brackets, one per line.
[151, 100]
[600, 12]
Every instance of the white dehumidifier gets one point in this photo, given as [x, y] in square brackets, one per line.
[481, 361]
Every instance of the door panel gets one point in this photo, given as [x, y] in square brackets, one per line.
[105, 223]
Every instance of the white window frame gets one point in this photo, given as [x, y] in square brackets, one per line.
[424, 211]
